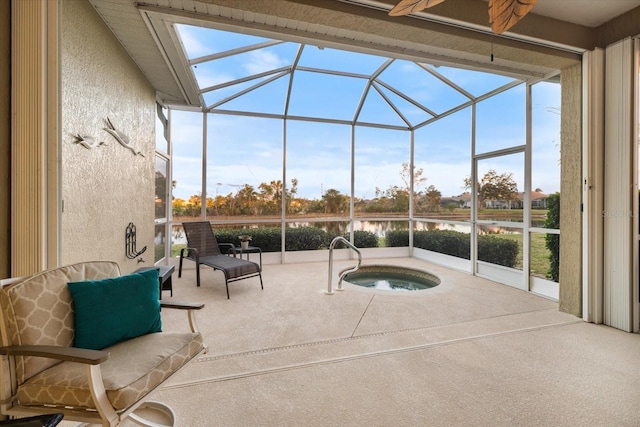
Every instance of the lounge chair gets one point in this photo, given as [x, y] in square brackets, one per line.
[203, 248]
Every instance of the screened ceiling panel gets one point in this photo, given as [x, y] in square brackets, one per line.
[475, 82]
[377, 110]
[325, 96]
[339, 60]
[243, 65]
[413, 112]
[269, 98]
[201, 41]
[425, 88]
[257, 75]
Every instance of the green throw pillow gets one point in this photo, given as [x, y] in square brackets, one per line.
[113, 310]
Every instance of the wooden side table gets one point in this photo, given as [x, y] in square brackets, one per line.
[164, 276]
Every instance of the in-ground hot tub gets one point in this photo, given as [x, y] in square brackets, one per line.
[393, 278]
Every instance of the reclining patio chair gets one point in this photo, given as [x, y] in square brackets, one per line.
[84, 341]
[203, 248]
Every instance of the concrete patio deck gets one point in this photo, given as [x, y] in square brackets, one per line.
[469, 352]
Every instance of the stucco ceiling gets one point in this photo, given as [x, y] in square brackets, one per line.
[590, 13]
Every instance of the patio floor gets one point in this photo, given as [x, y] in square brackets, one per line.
[468, 352]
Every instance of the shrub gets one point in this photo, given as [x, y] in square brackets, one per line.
[305, 238]
[364, 239]
[266, 238]
[361, 239]
[496, 250]
[449, 242]
[552, 241]
[491, 248]
[397, 238]
[224, 235]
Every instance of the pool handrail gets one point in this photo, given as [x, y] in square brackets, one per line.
[345, 272]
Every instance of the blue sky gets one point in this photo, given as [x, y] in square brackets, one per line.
[249, 149]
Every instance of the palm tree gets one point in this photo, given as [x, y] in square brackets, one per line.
[432, 199]
[247, 196]
[334, 201]
[270, 197]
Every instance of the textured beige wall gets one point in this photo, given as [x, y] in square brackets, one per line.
[571, 192]
[106, 187]
[5, 134]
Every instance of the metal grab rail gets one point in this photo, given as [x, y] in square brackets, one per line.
[344, 273]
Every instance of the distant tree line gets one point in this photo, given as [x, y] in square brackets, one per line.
[266, 199]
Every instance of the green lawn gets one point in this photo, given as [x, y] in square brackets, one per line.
[539, 253]
[175, 249]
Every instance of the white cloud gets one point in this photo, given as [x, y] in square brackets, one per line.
[192, 43]
[261, 60]
[210, 78]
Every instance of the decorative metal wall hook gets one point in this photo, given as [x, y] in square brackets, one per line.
[130, 242]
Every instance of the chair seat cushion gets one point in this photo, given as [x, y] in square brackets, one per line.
[234, 267]
[126, 374]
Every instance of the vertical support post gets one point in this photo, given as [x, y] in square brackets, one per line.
[35, 136]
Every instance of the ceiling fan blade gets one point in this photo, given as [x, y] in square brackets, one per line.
[405, 7]
[503, 14]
